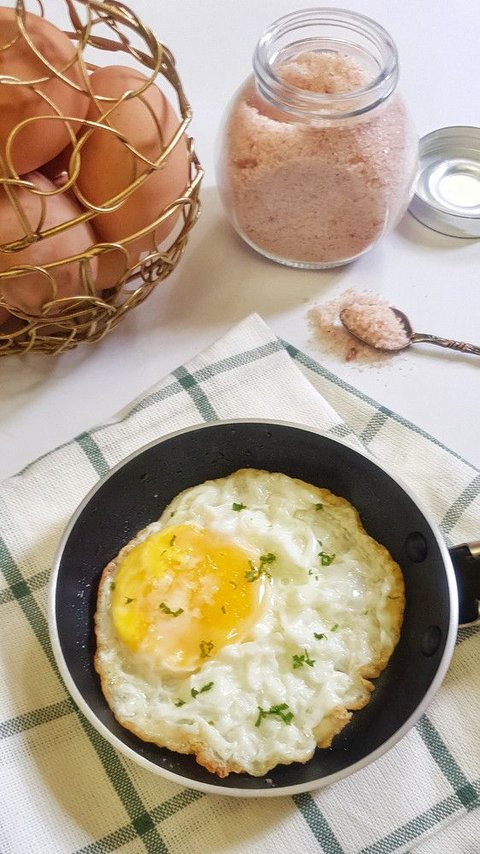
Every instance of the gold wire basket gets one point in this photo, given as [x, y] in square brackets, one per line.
[105, 28]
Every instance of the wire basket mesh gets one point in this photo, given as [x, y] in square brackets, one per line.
[50, 303]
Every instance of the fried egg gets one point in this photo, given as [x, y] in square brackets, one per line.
[245, 625]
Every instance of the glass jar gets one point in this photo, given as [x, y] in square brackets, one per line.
[318, 154]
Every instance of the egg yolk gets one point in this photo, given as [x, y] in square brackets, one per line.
[183, 594]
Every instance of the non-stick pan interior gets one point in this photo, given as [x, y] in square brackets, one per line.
[137, 492]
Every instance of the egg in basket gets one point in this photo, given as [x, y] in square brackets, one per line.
[99, 183]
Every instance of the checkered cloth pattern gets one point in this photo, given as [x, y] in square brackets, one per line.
[65, 790]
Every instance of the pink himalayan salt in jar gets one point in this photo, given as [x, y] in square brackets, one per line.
[318, 154]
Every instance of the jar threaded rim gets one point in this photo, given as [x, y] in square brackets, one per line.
[370, 37]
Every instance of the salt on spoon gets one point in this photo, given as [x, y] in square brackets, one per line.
[386, 328]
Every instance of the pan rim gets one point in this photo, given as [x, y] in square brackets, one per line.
[277, 791]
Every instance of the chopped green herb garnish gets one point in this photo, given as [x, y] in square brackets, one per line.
[277, 711]
[195, 692]
[166, 610]
[255, 572]
[238, 507]
[334, 628]
[172, 513]
[112, 585]
[319, 506]
[206, 648]
[223, 609]
[172, 540]
[128, 600]
[326, 558]
[211, 723]
[180, 703]
[319, 635]
[300, 660]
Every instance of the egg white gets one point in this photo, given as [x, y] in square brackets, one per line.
[329, 626]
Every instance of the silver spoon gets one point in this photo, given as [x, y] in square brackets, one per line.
[412, 337]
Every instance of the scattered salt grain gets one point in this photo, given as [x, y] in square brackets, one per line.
[369, 315]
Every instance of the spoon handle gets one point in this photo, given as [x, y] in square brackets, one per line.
[418, 337]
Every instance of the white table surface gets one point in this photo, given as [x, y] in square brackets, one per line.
[46, 400]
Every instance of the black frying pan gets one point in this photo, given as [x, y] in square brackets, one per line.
[135, 493]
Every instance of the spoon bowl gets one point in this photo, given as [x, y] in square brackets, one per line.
[391, 331]
[406, 325]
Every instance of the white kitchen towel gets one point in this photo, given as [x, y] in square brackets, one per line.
[64, 790]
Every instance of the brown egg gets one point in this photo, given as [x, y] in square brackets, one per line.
[41, 140]
[148, 122]
[57, 167]
[29, 292]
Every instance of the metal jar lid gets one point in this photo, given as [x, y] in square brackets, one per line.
[447, 192]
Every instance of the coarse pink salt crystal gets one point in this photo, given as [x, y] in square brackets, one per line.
[375, 324]
[374, 320]
[325, 73]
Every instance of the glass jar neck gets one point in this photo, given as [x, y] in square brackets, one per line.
[333, 32]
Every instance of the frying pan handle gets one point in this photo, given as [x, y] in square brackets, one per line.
[466, 563]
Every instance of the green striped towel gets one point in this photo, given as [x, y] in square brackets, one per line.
[63, 789]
